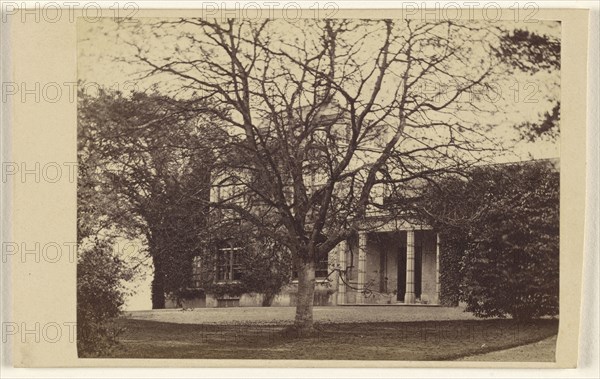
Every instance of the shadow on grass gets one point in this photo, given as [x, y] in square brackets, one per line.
[424, 340]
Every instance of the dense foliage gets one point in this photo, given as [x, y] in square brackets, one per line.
[100, 273]
[100, 296]
[150, 176]
[266, 268]
[500, 236]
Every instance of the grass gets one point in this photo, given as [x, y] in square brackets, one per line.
[542, 351]
[422, 340]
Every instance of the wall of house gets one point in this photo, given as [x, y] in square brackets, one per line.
[325, 295]
[390, 244]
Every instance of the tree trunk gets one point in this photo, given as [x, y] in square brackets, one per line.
[158, 285]
[306, 291]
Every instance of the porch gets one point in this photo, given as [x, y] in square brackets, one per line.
[388, 267]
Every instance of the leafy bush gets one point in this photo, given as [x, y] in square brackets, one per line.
[100, 296]
[267, 267]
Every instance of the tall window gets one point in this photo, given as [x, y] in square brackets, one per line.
[322, 268]
[228, 263]
[197, 272]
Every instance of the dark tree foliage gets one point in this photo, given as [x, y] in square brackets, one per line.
[266, 268]
[452, 243]
[151, 176]
[500, 228]
[100, 274]
[265, 265]
[546, 128]
[529, 52]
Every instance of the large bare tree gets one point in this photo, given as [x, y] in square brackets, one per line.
[325, 115]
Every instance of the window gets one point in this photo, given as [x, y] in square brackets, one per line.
[322, 268]
[197, 272]
[379, 194]
[228, 263]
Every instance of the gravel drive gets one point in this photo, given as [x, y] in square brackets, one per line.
[285, 315]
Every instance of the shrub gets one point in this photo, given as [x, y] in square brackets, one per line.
[500, 239]
[266, 269]
[511, 265]
[100, 296]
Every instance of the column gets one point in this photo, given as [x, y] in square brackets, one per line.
[437, 269]
[409, 296]
[342, 266]
[362, 267]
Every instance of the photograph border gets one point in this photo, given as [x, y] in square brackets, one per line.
[45, 293]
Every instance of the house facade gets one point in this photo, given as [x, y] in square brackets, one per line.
[393, 262]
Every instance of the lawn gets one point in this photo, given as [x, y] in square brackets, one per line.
[416, 340]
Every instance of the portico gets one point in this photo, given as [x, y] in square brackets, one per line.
[389, 266]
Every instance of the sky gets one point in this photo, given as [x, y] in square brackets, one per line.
[105, 58]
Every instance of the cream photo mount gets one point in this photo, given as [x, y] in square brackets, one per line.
[44, 294]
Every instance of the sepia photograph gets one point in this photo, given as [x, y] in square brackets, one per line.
[318, 188]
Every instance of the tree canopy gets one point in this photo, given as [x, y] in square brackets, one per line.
[151, 176]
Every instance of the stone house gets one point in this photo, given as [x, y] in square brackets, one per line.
[396, 263]
[389, 261]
